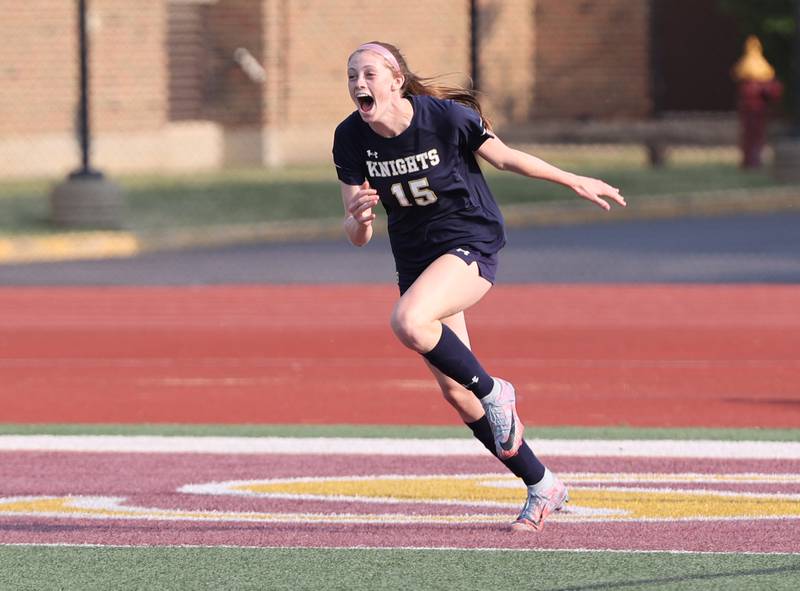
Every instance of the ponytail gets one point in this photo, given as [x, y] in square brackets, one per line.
[415, 86]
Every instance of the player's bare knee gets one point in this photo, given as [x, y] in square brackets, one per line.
[408, 327]
[403, 326]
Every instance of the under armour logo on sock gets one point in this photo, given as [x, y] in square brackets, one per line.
[472, 383]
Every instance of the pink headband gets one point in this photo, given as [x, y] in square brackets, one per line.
[382, 51]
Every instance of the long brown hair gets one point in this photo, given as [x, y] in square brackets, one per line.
[415, 85]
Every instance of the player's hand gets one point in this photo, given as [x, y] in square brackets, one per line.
[361, 206]
[594, 190]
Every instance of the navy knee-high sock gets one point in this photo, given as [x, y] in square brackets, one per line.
[454, 359]
[525, 464]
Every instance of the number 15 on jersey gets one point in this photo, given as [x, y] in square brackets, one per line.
[420, 193]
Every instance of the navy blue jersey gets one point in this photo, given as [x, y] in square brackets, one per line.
[427, 179]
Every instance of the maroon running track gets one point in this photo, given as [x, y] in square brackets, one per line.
[659, 356]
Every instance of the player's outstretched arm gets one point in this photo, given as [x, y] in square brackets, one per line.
[502, 157]
[358, 201]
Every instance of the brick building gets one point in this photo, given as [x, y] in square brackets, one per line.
[203, 84]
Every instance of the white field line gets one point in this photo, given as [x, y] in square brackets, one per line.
[383, 548]
[784, 450]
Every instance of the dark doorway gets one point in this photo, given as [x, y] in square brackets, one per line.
[694, 47]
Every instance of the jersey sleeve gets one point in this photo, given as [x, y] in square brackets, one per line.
[471, 129]
[346, 159]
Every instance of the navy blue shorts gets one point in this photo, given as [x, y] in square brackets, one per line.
[487, 266]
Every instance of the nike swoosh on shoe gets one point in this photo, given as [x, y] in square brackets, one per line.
[508, 444]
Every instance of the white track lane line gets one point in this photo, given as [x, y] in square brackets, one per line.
[775, 450]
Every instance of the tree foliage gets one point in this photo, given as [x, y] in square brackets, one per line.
[772, 21]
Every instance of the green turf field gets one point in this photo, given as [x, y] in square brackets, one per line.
[165, 569]
[397, 431]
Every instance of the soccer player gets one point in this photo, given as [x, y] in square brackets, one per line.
[411, 144]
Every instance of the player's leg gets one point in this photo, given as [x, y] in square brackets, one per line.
[546, 493]
[448, 286]
[464, 402]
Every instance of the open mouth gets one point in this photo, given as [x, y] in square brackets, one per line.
[365, 103]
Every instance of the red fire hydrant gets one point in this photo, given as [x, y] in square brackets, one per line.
[757, 88]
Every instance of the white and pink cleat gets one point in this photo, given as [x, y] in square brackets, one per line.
[540, 504]
[501, 412]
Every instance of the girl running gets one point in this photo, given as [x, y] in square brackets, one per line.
[411, 145]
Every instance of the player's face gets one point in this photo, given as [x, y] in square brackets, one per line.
[372, 84]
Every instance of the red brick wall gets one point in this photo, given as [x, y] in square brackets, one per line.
[311, 41]
[507, 53]
[129, 64]
[38, 72]
[592, 58]
[538, 58]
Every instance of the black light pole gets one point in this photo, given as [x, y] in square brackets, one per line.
[474, 44]
[83, 109]
[795, 132]
[656, 151]
[86, 198]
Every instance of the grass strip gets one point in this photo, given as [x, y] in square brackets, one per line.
[397, 431]
[159, 202]
[167, 569]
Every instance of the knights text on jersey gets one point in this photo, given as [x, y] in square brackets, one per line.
[428, 180]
